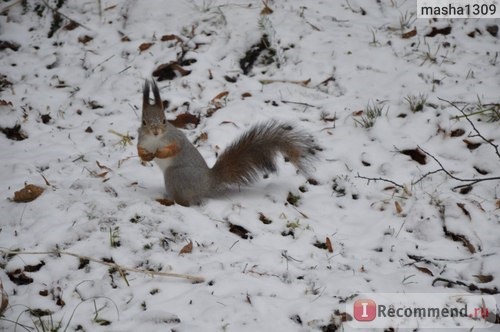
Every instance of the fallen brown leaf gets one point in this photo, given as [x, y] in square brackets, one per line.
[483, 278]
[217, 100]
[9, 45]
[409, 34]
[425, 270]
[14, 133]
[72, 25]
[145, 46]
[480, 170]
[460, 238]
[171, 37]
[399, 209]
[464, 210]
[184, 119]
[202, 138]
[216, 103]
[265, 220]
[471, 145]
[85, 39]
[465, 190]
[187, 249]
[219, 96]
[457, 132]
[5, 103]
[416, 155]
[435, 31]
[266, 10]
[19, 277]
[165, 201]
[320, 245]
[239, 230]
[34, 268]
[492, 29]
[167, 71]
[344, 316]
[101, 175]
[329, 245]
[29, 193]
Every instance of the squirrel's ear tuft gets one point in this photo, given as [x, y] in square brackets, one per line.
[156, 93]
[145, 94]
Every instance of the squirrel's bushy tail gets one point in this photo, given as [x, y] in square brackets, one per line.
[256, 150]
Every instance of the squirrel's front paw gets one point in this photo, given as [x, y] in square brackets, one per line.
[144, 154]
[167, 151]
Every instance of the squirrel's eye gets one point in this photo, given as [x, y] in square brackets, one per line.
[144, 122]
[164, 121]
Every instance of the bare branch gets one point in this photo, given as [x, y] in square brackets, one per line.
[471, 181]
[461, 110]
[426, 175]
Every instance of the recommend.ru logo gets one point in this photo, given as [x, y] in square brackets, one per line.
[364, 310]
[419, 310]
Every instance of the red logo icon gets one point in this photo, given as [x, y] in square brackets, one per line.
[365, 310]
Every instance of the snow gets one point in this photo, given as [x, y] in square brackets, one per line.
[276, 279]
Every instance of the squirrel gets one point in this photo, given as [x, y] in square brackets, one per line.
[187, 177]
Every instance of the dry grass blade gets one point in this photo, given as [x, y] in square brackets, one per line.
[194, 279]
[4, 299]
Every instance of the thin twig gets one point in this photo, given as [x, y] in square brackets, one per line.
[379, 179]
[461, 110]
[194, 279]
[426, 175]
[63, 15]
[106, 60]
[126, 68]
[406, 218]
[297, 103]
[472, 181]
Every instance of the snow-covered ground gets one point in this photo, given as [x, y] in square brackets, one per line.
[324, 66]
